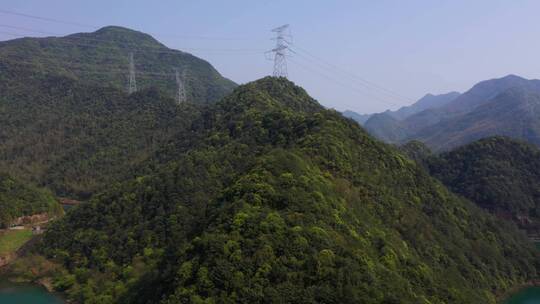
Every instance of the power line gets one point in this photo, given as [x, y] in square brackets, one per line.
[44, 18]
[132, 84]
[366, 89]
[344, 85]
[138, 48]
[280, 64]
[280, 51]
[69, 68]
[295, 49]
[2, 11]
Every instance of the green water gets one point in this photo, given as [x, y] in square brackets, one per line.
[530, 295]
[11, 293]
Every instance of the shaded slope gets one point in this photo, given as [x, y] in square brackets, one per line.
[77, 138]
[284, 201]
[478, 95]
[486, 90]
[386, 128]
[499, 174]
[514, 113]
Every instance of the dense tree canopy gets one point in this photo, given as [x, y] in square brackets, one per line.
[499, 174]
[19, 199]
[271, 198]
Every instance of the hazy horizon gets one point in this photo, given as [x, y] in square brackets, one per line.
[362, 56]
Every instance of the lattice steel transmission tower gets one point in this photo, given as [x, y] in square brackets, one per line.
[132, 83]
[280, 51]
[181, 94]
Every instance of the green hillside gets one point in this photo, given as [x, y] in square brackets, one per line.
[272, 199]
[499, 174]
[67, 122]
[101, 58]
[76, 138]
[18, 199]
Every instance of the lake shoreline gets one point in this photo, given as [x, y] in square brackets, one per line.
[501, 298]
[25, 292]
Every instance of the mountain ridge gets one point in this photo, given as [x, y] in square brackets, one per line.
[505, 106]
[102, 58]
[283, 200]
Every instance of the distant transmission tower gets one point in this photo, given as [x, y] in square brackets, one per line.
[132, 85]
[280, 51]
[181, 94]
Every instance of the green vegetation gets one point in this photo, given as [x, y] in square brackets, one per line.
[75, 131]
[499, 174]
[11, 240]
[77, 139]
[101, 59]
[416, 151]
[18, 199]
[271, 198]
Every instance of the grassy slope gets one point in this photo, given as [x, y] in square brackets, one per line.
[11, 240]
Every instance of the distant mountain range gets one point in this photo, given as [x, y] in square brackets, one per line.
[508, 106]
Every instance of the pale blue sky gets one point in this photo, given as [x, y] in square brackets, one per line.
[407, 47]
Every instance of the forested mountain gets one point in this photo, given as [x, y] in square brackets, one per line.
[499, 174]
[101, 58]
[76, 138]
[271, 198]
[74, 129]
[19, 199]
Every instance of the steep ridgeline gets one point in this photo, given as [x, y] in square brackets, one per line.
[76, 138]
[507, 106]
[388, 125]
[429, 101]
[18, 199]
[101, 58]
[514, 113]
[280, 201]
[478, 95]
[499, 174]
